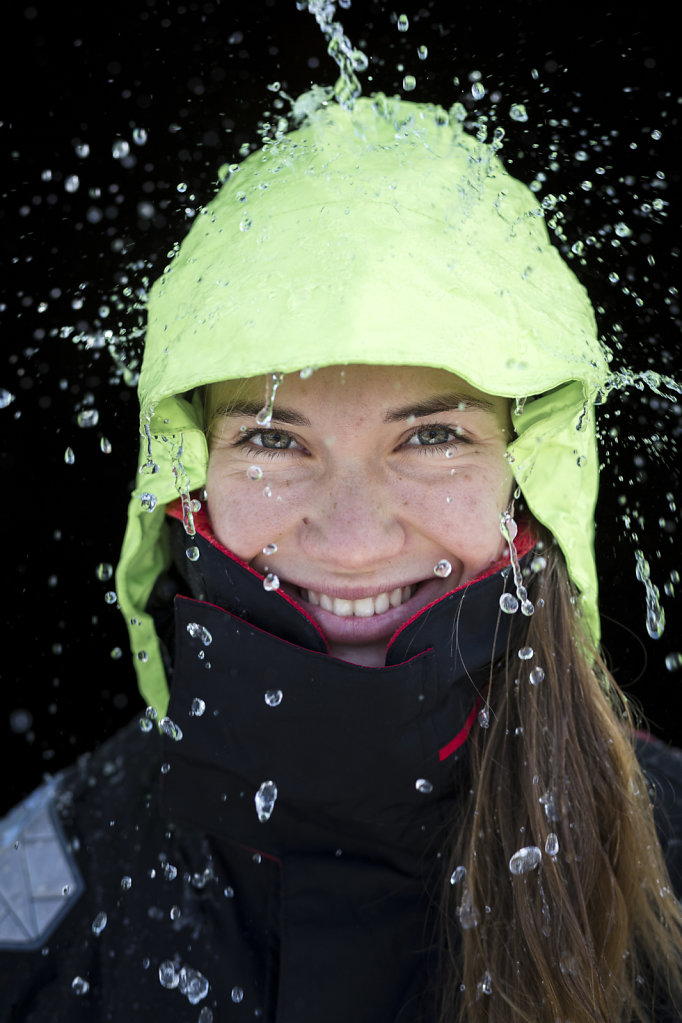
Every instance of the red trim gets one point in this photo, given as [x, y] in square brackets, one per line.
[462, 735]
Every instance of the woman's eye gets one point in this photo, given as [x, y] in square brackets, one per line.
[272, 439]
[430, 436]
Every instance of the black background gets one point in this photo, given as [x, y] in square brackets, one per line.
[194, 77]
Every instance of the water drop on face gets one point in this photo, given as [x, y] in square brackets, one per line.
[525, 653]
[525, 859]
[198, 707]
[273, 697]
[442, 569]
[271, 582]
[536, 676]
[265, 800]
[192, 553]
[267, 492]
[69, 456]
[423, 785]
[509, 604]
[99, 923]
[254, 472]
[552, 844]
[270, 548]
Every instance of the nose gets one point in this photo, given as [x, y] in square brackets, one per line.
[354, 525]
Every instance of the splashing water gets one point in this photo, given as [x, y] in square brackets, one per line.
[509, 529]
[265, 800]
[264, 417]
[347, 57]
[655, 617]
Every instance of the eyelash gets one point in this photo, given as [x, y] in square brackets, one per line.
[456, 437]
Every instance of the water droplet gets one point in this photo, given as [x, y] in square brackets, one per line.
[525, 653]
[145, 725]
[170, 871]
[168, 975]
[254, 472]
[484, 717]
[273, 697]
[148, 501]
[72, 183]
[80, 986]
[142, 656]
[6, 397]
[198, 631]
[527, 608]
[538, 564]
[442, 569]
[99, 923]
[246, 224]
[422, 52]
[271, 582]
[175, 913]
[165, 768]
[206, 1015]
[270, 548]
[525, 859]
[104, 571]
[423, 785]
[170, 729]
[192, 553]
[306, 373]
[655, 617]
[552, 844]
[126, 883]
[550, 807]
[485, 984]
[69, 456]
[88, 417]
[110, 597]
[673, 662]
[403, 23]
[120, 149]
[458, 874]
[509, 604]
[139, 136]
[518, 112]
[265, 800]
[237, 994]
[198, 707]
[478, 90]
[267, 492]
[409, 83]
[536, 676]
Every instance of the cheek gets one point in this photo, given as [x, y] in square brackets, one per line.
[246, 514]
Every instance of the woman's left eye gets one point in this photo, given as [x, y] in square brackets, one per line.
[432, 436]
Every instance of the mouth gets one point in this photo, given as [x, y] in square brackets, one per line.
[366, 607]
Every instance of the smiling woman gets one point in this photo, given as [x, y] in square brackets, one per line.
[384, 474]
[392, 780]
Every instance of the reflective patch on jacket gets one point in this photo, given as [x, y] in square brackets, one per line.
[39, 880]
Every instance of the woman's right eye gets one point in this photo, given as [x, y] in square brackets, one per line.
[273, 439]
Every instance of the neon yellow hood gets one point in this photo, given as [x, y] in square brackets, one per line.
[383, 235]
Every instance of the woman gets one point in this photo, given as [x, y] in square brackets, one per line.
[396, 781]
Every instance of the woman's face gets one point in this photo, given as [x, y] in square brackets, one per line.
[371, 476]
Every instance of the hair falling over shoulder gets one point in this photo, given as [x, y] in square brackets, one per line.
[594, 933]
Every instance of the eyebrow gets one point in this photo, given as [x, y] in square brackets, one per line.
[451, 402]
[438, 403]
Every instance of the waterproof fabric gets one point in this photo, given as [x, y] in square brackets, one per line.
[383, 235]
[325, 910]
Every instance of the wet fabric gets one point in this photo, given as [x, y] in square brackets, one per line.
[389, 236]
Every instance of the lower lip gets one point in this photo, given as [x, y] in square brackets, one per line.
[338, 629]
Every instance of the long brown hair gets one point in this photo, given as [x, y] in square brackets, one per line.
[593, 933]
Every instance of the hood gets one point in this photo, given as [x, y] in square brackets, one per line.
[384, 235]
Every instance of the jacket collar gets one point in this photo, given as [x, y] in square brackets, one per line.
[362, 758]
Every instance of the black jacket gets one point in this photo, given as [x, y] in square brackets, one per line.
[277, 860]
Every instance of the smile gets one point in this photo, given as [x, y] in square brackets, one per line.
[367, 607]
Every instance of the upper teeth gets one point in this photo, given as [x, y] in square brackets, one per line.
[364, 608]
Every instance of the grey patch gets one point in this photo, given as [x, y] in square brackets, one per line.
[39, 880]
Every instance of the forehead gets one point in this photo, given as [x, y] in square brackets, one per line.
[363, 388]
